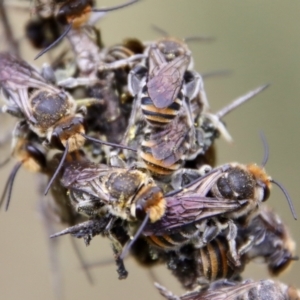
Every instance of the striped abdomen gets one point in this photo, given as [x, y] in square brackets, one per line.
[213, 263]
[163, 149]
[174, 240]
[158, 167]
[159, 116]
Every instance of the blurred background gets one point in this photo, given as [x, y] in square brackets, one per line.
[259, 42]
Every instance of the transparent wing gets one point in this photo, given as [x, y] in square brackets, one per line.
[16, 77]
[166, 83]
[81, 172]
[188, 209]
[169, 144]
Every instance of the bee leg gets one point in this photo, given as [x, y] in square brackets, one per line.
[116, 161]
[246, 246]
[72, 82]
[117, 250]
[117, 246]
[203, 281]
[121, 268]
[132, 121]
[210, 233]
[194, 87]
[48, 73]
[165, 293]
[88, 208]
[184, 176]
[231, 235]
[190, 121]
[12, 110]
[135, 79]
[98, 35]
[220, 127]
[120, 63]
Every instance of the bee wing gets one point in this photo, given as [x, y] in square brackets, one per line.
[201, 185]
[191, 205]
[156, 60]
[164, 86]
[188, 209]
[16, 76]
[81, 172]
[86, 229]
[168, 144]
[231, 292]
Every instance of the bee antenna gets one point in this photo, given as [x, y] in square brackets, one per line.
[136, 236]
[57, 41]
[159, 30]
[198, 38]
[239, 101]
[3, 163]
[9, 185]
[57, 169]
[107, 143]
[295, 257]
[104, 262]
[114, 7]
[217, 73]
[287, 196]
[266, 149]
[82, 262]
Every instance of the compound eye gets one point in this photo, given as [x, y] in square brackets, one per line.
[38, 156]
[140, 212]
[56, 141]
[61, 17]
[266, 191]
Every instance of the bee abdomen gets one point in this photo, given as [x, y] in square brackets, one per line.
[158, 167]
[214, 262]
[168, 242]
[159, 116]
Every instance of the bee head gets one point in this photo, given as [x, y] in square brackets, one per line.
[262, 179]
[282, 261]
[77, 13]
[172, 48]
[68, 129]
[264, 182]
[150, 200]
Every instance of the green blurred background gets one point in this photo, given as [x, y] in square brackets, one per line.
[256, 39]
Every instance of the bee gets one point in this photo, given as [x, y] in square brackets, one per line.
[266, 238]
[230, 290]
[165, 150]
[108, 86]
[42, 32]
[71, 14]
[28, 151]
[209, 206]
[11, 41]
[158, 84]
[194, 266]
[129, 193]
[170, 97]
[55, 211]
[51, 113]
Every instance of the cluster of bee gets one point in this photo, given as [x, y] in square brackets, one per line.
[125, 138]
